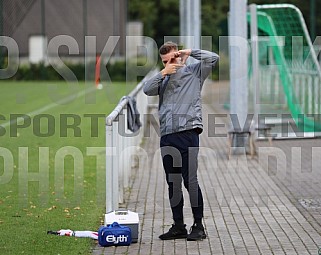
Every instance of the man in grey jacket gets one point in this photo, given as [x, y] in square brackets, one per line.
[180, 114]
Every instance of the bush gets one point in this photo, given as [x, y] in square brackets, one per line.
[134, 70]
[37, 72]
[116, 71]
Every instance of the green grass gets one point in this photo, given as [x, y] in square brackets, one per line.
[70, 192]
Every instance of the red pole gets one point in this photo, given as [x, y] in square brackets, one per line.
[97, 71]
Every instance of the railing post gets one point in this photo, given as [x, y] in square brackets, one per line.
[109, 168]
[120, 149]
[115, 167]
[125, 154]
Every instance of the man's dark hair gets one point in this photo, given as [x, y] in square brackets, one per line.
[167, 47]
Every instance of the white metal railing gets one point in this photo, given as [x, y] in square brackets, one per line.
[118, 139]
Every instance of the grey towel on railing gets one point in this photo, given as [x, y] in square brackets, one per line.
[133, 115]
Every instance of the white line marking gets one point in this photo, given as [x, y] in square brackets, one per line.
[50, 106]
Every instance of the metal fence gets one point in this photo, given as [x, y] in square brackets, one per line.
[121, 145]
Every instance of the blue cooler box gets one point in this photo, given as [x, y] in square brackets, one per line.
[125, 218]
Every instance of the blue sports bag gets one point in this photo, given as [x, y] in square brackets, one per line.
[114, 235]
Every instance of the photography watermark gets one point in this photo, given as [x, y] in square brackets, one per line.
[64, 180]
[142, 47]
[53, 172]
[48, 125]
[71, 125]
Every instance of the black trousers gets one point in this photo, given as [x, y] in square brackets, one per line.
[179, 153]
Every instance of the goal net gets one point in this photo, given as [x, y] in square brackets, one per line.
[289, 72]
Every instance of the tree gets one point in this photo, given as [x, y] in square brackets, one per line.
[161, 17]
[144, 11]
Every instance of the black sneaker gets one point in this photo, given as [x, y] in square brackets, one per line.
[197, 233]
[175, 232]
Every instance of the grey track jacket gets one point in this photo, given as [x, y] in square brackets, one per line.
[181, 108]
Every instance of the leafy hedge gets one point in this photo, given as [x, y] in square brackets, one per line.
[116, 71]
[133, 70]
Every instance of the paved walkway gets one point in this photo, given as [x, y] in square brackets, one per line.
[267, 205]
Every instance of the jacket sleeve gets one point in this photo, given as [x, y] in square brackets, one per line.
[151, 86]
[207, 59]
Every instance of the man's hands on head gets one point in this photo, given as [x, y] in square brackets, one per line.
[175, 63]
[184, 54]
